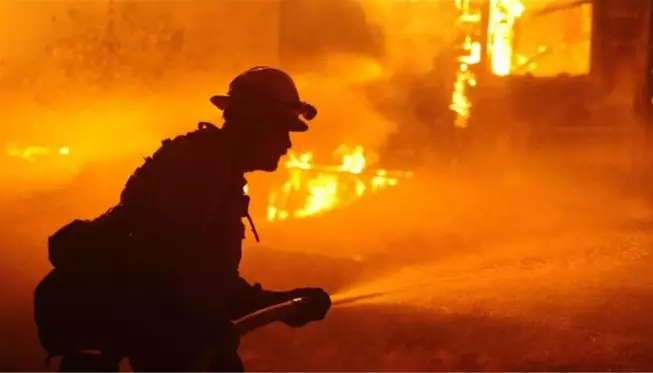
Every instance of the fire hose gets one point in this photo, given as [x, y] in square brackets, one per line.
[279, 312]
[269, 315]
[283, 310]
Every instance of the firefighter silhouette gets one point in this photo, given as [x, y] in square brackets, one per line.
[155, 279]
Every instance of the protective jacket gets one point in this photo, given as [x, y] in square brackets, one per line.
[161, 265]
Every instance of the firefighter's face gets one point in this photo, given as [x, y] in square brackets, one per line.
[272, 149]
[267, 136]
[269, 144]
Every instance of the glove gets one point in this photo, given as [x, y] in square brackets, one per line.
[316, 305]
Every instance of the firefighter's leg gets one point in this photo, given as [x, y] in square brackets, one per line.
[227, 363]
[89, 362]
[176, 358]
[155, 356]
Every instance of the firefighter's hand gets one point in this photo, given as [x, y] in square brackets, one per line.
[314, 307]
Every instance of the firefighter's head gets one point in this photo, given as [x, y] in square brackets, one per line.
[261, 109]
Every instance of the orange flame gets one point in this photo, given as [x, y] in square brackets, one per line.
[324, 188]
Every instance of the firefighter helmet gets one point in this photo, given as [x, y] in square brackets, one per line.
[264, 85]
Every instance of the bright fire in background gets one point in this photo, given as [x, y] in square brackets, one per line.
[312, 189]
[500, 34]
[541, 50]
[469, 20]
[501, 24]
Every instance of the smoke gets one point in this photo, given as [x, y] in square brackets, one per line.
[110, 78]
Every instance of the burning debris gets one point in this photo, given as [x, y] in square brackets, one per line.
[312, 189]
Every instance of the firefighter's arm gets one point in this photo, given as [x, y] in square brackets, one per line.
[248, 298]
[251, 298]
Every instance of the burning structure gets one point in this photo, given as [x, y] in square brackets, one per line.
[536, 72]
[544, 67]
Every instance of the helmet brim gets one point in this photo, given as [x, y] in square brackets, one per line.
[220, 102]
[304, 110]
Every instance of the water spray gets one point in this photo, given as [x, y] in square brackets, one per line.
[371, 292]
[345, 299]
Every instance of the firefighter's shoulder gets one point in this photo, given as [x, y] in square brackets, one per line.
[193, 159]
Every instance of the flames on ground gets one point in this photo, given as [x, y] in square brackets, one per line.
[312, 189]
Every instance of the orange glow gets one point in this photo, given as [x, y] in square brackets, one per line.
[324, 188]
[545, 51]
